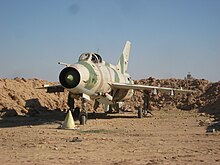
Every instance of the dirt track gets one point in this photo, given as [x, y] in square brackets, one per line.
[169, 137]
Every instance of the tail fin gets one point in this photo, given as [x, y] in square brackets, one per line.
[123, 60]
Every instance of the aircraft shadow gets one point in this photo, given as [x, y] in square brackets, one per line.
[51, 116]
[39, 115]
[213, 109]
[215, 126]
[101, 115]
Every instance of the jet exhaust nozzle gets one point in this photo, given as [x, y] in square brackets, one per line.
[69, 77]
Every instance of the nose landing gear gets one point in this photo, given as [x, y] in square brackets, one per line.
[83, 116]
[77, 114]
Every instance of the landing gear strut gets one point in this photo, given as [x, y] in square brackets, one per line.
[70, 102]
[83, 116]
[146, 105]
[77, 114]
[140, 113]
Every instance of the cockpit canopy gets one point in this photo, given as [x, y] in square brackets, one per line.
[93, 57]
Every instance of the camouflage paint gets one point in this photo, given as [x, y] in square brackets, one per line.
[122, 63]
[107, 64]
[92, 76]
[116, 76]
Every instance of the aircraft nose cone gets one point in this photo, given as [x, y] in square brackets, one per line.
[69, 77]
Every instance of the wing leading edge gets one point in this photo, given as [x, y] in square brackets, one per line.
[52, 88]
[149, 88]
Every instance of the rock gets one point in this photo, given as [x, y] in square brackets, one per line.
[203, 114]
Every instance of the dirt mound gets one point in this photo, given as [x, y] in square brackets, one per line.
[210, 100]
[20, 96]
[206, 97]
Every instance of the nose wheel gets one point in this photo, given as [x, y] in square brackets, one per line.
[77, 113]
[83, 116]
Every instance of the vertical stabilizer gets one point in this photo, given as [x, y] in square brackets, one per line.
[123, 61]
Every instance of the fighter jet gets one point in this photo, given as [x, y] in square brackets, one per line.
[93, 78]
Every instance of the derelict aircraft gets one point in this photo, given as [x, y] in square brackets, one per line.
[92, 77]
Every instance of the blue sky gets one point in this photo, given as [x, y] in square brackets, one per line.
[169, 37]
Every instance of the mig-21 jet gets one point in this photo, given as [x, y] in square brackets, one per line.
[93, 78]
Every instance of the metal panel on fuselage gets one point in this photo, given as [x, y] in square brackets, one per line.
[96, 78]
[110, 75]
[102, 75]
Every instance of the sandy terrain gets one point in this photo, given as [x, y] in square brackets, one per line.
[168, 137]
[176, 134]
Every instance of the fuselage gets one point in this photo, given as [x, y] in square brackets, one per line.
[93, 76]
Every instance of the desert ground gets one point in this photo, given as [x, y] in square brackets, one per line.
[183, 129]
[167, 137]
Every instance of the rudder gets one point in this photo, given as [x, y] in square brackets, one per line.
[123, 60]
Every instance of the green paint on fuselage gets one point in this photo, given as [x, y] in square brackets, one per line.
[107, 64]
[116, 76]
[122, 64]
[92, 75]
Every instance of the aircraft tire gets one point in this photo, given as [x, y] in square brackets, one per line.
[82, 120]
[83, 116]
[140, 113]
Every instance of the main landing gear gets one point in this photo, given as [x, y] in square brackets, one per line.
[146, 106]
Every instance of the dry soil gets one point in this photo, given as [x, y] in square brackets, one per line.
[168, 137]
